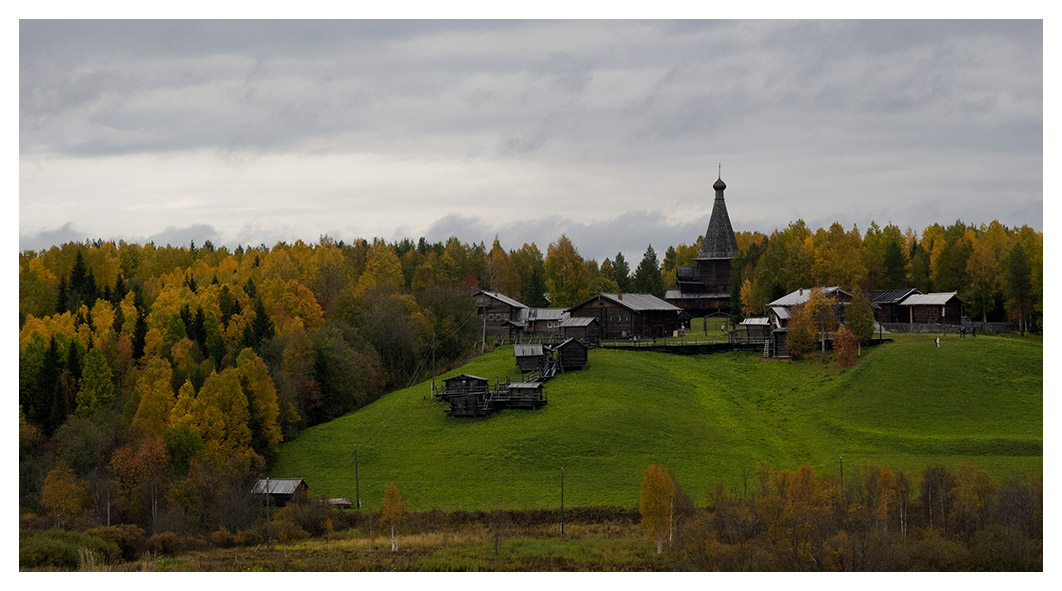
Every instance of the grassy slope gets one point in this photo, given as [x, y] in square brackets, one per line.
[907, 404]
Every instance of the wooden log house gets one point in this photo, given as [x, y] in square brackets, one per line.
[571, 355]
[626, 315]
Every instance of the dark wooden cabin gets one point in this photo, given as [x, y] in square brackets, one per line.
[545, 322]
[625, 315]
[886, 304]
[756, 329]
[526, 395]
[531, 358]
[281, 490]
[502, 315]
[931, 308]
[464, 384]
[571, 355]
[584, 329]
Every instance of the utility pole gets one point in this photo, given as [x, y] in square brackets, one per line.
[484, 349]
[842, 478]
[357, 490]
[562, 502]
[269, 532]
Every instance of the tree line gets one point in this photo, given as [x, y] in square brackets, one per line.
[877, 519]
[162, 379]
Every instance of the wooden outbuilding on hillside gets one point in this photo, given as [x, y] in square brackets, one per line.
[281, 490]
[932, 308]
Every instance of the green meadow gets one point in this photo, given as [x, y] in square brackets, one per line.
[709, 418]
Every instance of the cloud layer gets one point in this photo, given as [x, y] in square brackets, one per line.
[273, 129]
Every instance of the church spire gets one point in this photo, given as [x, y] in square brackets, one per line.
[719, 241]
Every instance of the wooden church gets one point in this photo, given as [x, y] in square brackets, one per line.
[704, 289]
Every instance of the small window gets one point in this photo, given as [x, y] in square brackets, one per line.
[490, 316]
[506, 316]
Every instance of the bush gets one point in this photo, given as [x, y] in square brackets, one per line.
[223, 538]
[129, 538]
[250, 537]
[166, 543]
[59, 548]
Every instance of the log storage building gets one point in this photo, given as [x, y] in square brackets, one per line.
[626, 315]
[704, 289]
[931, 308]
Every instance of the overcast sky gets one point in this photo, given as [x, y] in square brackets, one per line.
[609, 131]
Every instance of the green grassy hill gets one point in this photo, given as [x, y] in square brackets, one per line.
[907, 404]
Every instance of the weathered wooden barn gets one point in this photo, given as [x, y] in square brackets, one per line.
[583, 328]
[525, 395]
[462, 385]
[281, 490]
[502, 315]
[625, 315]
[886, 304]
[705, 287]
[756, 329]
[531, 358]
[571, 355]
[931, 308]
[545, 322]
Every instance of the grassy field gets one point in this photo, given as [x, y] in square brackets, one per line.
[708, 418]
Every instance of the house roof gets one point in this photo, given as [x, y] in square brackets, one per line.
[891, 296]
[526, 385]
[527, 350]
[568, 342]
[500, 297]
[546, 314]
[277, 486]
[465, 375]
[930, 299]
[577, 321]
[757, 321]
[635, 302]
[801, 295]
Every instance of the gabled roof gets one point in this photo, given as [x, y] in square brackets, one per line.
[756, 321]
[781, 312]
[546, 314]
[568, 342]
[500, 297]
[527, 350]
[635, 302]
[930, 299]
[577, 321]
[465, 375]
[801, 295]
[678, 294]
[277, 486]
[891, 296]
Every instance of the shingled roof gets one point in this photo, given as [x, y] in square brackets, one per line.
[719, 241]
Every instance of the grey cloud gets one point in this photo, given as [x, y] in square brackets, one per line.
[174, 236]
[45, 239]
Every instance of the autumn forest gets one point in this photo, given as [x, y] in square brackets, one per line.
[156, 383]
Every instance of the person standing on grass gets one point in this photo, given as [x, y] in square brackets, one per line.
[938, 342]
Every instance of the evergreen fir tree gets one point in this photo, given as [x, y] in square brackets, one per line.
[119, 320]
[262, 325]
[139, 334]
[623, 272]
[647, 277]
[61, 300]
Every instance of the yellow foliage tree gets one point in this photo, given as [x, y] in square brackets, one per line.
[394, 510]
[657, 503]
[61, 496]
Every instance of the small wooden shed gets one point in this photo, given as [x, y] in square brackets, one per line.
[281, 490]
[520, 395]
[471, 405]
[531, 358]
[571, 355]
[464, 384]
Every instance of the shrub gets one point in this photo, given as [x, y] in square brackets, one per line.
[166, 543]
[250, 537]
[129, 538]
[61, 548]
[846, 345]
[223, 538]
